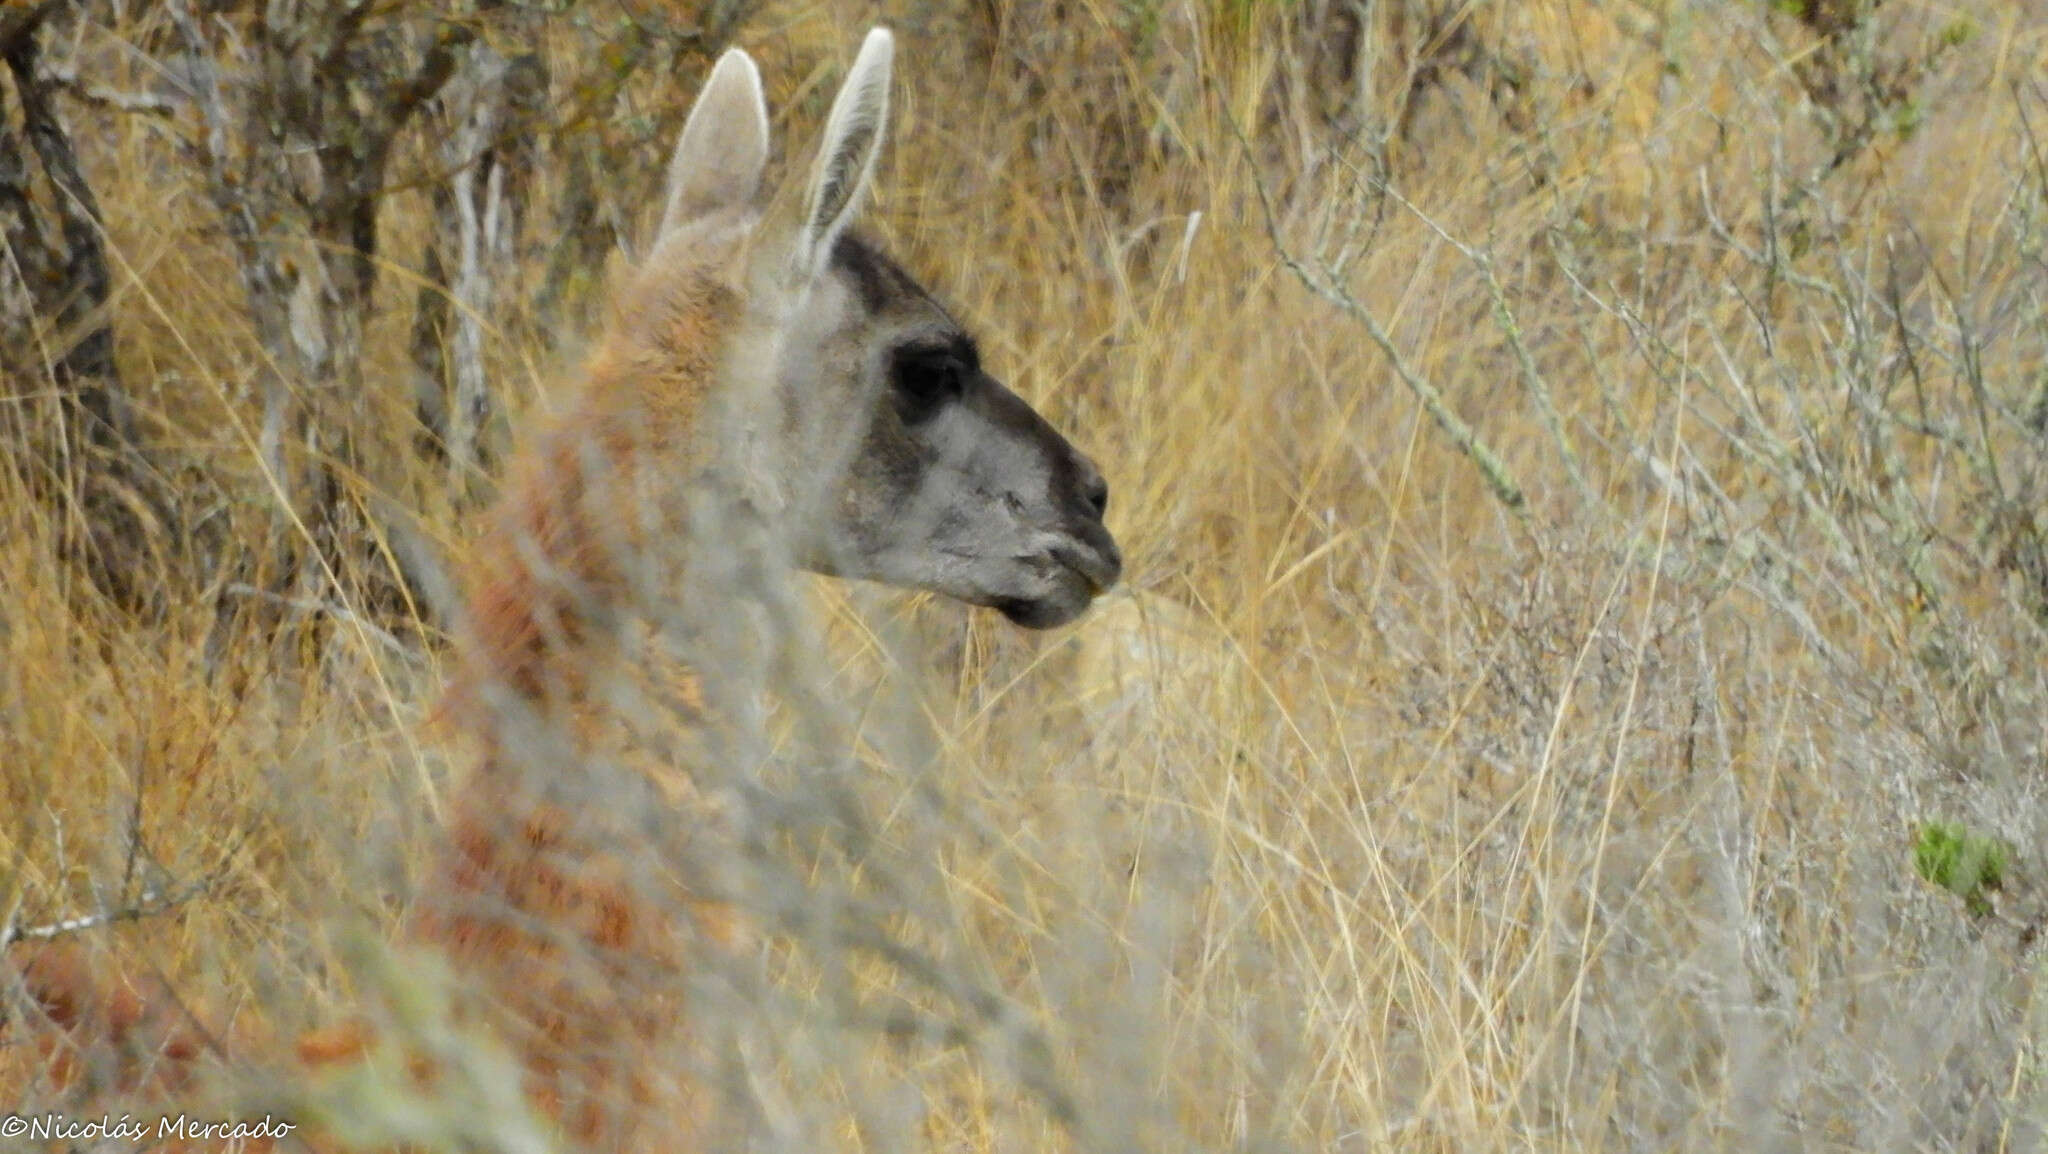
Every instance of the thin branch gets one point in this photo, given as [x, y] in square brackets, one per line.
[1498, 480]
[1532, 377]
[65, 78]
[149, 904]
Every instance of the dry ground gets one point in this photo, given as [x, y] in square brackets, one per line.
[1557, 794]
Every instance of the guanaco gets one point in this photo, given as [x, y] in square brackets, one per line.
[885, 451]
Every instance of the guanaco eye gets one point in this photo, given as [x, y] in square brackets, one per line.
[927, 379]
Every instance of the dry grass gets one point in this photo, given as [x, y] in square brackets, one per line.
[1373, 813]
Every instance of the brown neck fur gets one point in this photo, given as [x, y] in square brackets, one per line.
[543, 902]
[600, 484]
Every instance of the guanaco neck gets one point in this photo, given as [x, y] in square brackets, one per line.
[597, 491]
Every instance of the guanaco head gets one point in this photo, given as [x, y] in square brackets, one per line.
[906, 462]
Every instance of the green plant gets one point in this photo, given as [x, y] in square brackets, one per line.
[1963, 863]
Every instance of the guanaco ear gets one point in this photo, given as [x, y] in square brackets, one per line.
[724, 147]
[846, 159]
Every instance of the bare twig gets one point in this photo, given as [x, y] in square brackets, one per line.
[1324, 283]
[149, 903]
[1532, 377]
[65, 78]
[479, 213]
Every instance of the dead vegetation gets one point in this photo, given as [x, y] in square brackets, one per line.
[1581, 466]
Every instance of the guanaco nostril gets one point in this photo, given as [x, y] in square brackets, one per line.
[1096, 489]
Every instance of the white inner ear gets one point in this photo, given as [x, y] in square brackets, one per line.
[846, 159]
[723, 149]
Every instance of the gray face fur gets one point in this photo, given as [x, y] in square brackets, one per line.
[955, 486]
[909, 465]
